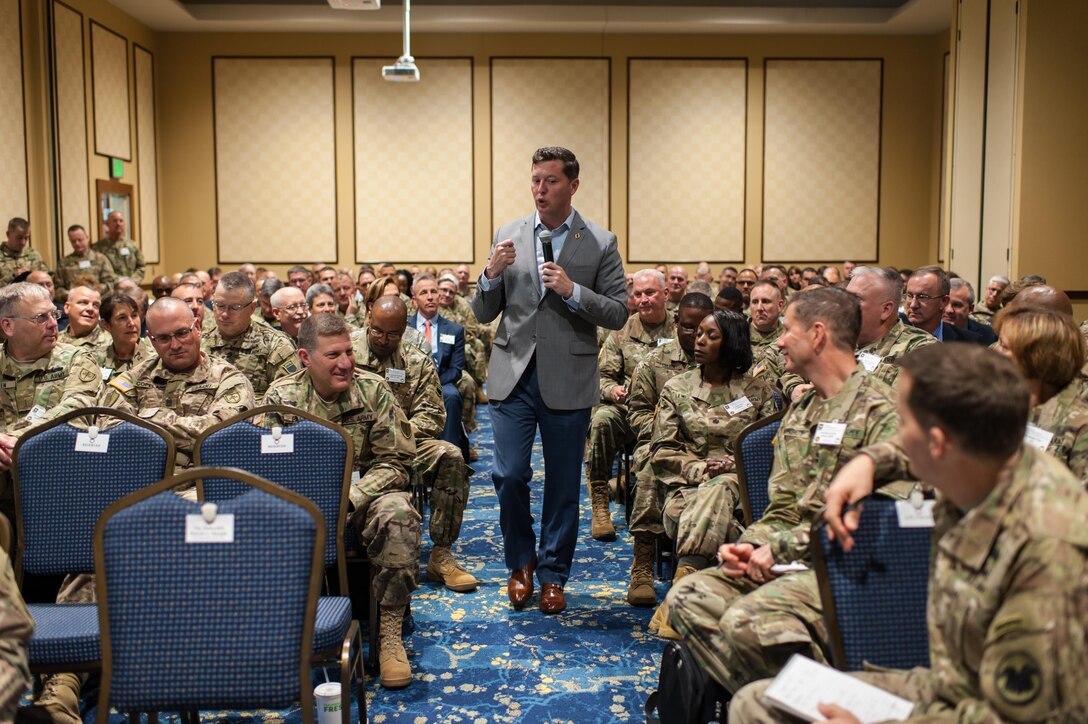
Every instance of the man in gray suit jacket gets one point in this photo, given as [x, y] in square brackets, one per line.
[543, 370]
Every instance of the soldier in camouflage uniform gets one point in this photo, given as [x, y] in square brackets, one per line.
[676, 286]
[16, 629]
[1048, 349]
[740, 620]
[332, 388]
[121, 318]
[83, 329]
[16, 256]
[765, 309]
[989, 305]
[84, 265]
[660, 366]
[609, 428]
[883, 338]
[123, 254]
[180, 389]
[1008, 588]
[455, 308]
[413, 377]
[261, 353]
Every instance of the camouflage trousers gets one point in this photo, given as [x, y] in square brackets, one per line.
[476, 360]
[16, 629]
[609, 431]
[646, 508]
[467, 387]
[390, 531]
[442, 469]
[701, 518]
[915, 685]
[741, 632]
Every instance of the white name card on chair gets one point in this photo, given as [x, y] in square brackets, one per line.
[219, 530]
[92, 441]
[277, 442]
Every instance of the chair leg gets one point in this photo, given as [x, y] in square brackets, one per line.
[352, 669]
[372, 626]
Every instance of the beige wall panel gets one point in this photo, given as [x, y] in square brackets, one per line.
[549, 102]
[71, 100]
[147, 157]
[686, 198]
[821, 186]
[413, 163]
[275, 152]
[13, 186]
[109, 69]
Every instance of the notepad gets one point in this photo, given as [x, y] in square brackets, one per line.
[803, 684]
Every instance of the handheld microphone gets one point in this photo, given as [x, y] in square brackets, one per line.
[546, 245]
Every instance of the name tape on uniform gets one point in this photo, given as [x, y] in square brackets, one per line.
[219, 530]
[829, 433]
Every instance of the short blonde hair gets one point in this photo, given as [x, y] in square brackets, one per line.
[1046, 346]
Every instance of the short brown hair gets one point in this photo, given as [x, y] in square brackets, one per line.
[321, 325]
[972, 393]
[558, 153]
[1045, 345]
[838, 309]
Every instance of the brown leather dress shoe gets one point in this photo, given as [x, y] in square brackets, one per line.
[520, 585]
[552, 599]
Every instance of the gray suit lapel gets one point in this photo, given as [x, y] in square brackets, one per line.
[574, 238]
[525, 246]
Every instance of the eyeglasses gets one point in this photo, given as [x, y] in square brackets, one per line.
[391, 336]
[922, 298]
[229, 308]
[296, 307]
[179, 335]
[40, 319]
[746, 283]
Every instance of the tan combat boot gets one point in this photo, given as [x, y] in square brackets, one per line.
[442, 566]
[659, 624]
[58, 703]
[602, 518]
[392, 659]
[640, 591]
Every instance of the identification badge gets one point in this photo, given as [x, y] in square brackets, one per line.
[277, 443]
[914, 516]
[92, 441]
[219, 530]
[663, 340]
[106, 372]
[1037, 437]
[36, 413]
[446, 339]
[829, 433]
[85, 264]
[739, 405]
[869, 361]
[394, 375]
[355, 476]
[124, 251]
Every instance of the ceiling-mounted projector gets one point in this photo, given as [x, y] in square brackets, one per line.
[403, 71]
[356, 4]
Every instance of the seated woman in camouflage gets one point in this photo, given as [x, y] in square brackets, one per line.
[1047, 348]
[699, 416]
[120, 317]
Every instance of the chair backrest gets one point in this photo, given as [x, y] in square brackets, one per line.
[318, 468]
[874, 597]
[62, 487]
[755, 455]
[188, 625]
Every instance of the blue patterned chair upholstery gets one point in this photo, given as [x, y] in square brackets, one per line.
[874, 597]
[58, 539]
[189, 626]
[319, 469]
[755, 455]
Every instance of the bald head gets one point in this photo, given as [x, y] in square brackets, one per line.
[169, 306]
[388, 320]
[1043, 296]
[390, 305]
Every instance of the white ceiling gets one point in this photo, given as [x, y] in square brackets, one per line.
[917, 17]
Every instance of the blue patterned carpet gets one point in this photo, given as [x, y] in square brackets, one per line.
[477, 660]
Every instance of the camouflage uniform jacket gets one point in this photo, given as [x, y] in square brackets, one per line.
[461, 313]
[384, 447]
[261, 353]
[10, 263]
[185, 403]
[95, 266]
[1065, 416]
[68, 379]
[16, 630]
[802, 469]
[107, 358]
[125, 257]
[694, 422]
[95, 340]
[767, 359]
[412, 338]
[419, 396]
[982, 313]
[628, 346]
[651, 374]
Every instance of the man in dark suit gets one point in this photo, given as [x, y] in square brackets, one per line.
[447, 341]
[543, 371]
[961, 302]
[925, 300]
